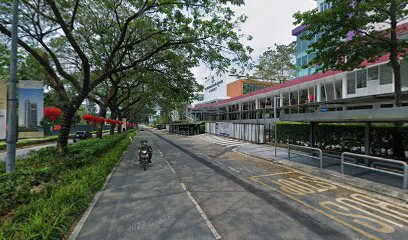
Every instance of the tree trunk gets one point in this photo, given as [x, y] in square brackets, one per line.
[102, 113]
[66, 122]
[120, 119]
[114, 115]
[398, 144]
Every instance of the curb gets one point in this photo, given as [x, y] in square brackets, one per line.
[345, 181]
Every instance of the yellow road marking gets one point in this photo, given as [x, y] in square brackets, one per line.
[366, 234]
[271, 174]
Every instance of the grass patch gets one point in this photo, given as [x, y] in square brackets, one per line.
[45, 195]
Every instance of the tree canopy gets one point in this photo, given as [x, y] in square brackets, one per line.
[81, 44]
[354, 31]
[276, 65]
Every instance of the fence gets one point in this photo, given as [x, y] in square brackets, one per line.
[291, 150]
[243, 131]
[404, 164]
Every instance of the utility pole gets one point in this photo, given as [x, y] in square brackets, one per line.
[12, 96]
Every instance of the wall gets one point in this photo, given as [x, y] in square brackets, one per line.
[234, 89]
[248, 132]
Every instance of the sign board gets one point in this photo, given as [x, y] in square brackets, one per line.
[224, 129]
[215, 87]
[3, 108]
[30, 108]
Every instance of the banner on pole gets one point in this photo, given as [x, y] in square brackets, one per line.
[30, 109]
[3, 109]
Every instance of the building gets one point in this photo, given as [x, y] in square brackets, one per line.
[244, 86]
[302, 57]
[363, 95]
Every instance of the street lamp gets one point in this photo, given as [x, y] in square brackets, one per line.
[275, 113]
[12, 96]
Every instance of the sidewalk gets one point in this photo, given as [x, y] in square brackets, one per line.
[355, 177]
[137, 204]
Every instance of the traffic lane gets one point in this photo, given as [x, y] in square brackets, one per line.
[356, 215]
[139, 204]
[238, 212]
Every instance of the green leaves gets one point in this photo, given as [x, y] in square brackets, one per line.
[352, 30]
[276, 64]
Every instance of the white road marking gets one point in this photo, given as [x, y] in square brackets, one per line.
[171, 168]
[219, 162]
[233, 169]
[225, 143]
[209, 224]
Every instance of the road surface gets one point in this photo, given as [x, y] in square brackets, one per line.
[202, 190]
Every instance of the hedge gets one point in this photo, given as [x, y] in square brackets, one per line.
[47, 193]
[340, 137]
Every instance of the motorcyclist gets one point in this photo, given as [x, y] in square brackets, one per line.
[145, 146]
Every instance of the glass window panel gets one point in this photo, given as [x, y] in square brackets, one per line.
[362, 78]
[404, 74]
[304, 61]
[373, 73]
[351, 83]
[385, 74]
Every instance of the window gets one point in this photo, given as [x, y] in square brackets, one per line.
[385, 74]
[311, 56]
[304, 61]
[362, 78]
[351, 83]
[373, 73]
[404, 74]
[403, 36]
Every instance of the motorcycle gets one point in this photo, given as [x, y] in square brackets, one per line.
[144, 158]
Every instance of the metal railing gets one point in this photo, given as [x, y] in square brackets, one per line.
[404, 164]
[320, 157]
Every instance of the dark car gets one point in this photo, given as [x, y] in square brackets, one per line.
[81, 135]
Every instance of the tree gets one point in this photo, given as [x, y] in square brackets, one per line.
[349, 35]
[86, 42]
[276, 65]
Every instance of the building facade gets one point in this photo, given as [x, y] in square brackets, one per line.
[245, 86]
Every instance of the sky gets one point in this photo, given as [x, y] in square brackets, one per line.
[269, 22]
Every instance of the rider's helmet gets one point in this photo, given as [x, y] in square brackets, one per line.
[143, 142]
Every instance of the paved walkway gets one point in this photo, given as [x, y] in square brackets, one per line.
[139, 204]
[267, 152]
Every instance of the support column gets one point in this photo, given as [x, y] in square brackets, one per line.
[367, 145]
[312, 134]
[319, 92]
[344, 87]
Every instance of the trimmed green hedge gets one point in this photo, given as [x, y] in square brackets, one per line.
[45, 195]
[340, 137]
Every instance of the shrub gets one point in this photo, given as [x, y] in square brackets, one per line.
[340, 137]
[66, 186]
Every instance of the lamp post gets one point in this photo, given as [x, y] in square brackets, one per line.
[275, 113]
[12, 96]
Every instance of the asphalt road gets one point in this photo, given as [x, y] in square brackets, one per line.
[230, 196]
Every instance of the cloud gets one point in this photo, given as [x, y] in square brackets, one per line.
[269, 22]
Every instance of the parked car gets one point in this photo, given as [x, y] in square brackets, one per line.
[81, 135]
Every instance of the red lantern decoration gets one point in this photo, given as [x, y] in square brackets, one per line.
[52, 113]
[100, 119]
[88, 117]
